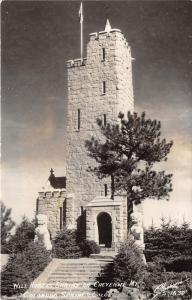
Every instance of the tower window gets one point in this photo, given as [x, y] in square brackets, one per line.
[105, 186]
[103, 53]
[82, 209]
[104, 87]
[37, 206]
[78, 119]
[104, 120]
[61, 217]
[64, 213]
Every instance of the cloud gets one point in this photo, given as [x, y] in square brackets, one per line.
[42, 131]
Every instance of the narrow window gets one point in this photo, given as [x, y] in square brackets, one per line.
[78, 119]
[82, 209]
[104, 87]
[61, 217]
[37, 206]
[103, 53]
[104, 120]
[64, 212]
[105, 190]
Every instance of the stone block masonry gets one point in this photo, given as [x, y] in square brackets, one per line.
[101, 87]
[51, 203]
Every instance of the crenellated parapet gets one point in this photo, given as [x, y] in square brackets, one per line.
[99, 37]
[76, 62]
[52, 194]
[105, 34]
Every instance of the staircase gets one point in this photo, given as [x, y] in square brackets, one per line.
[67, 279]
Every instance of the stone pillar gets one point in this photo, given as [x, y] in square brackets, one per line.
[70, 212]
[90, 232]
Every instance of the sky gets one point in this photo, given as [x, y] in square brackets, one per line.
[38, 37]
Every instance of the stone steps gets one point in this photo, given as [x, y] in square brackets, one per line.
[74, 278]
[78, 272]
[83, 269]
[64, 289]
[68, 280]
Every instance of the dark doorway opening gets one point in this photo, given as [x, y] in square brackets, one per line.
[105, 229]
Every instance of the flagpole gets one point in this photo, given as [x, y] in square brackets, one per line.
[81, 32]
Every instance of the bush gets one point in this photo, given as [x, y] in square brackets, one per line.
[23, 268]
[66, 245]
[24, 234]
[155, 278]
[169, 241]
[89, 247]
[128, 264]
[178, 264]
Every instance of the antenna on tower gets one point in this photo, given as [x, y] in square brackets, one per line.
[81, 29]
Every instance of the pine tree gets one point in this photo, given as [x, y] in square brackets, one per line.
[7, 225]
[168, 242]
[24, 234]
[128, 155]
[23, 267]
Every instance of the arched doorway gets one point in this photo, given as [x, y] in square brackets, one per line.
[105, 229]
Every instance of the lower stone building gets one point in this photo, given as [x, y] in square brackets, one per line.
[103, 219]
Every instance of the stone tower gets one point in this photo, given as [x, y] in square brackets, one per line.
[100, 86]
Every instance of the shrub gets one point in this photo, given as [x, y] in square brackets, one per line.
[65, 245]
[89, 247]
[178, 264]
[155, 278]
[128, 264]
[169, 241]
[68, 244]
[23, 268]
[24, 234]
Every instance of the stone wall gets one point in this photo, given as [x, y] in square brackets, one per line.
[50, 203]
[85, 94]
